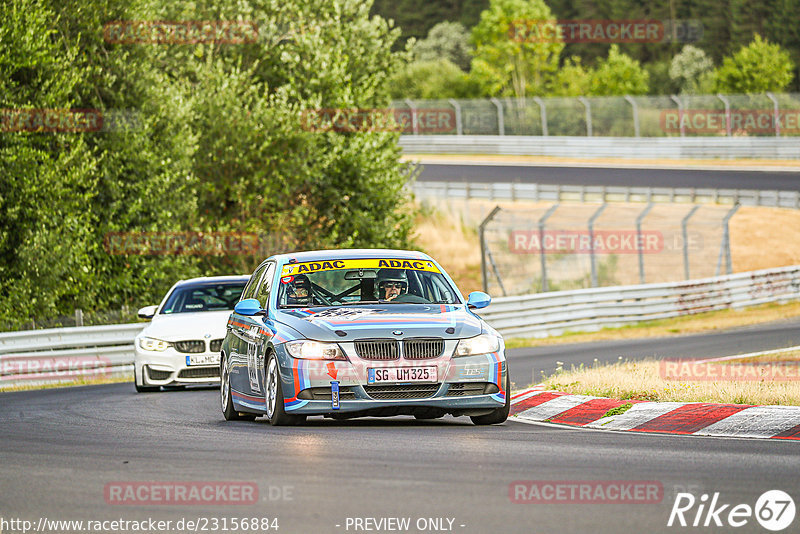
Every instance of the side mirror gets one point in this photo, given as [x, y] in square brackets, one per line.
[478, 299]
[249, 307]
[148, 312]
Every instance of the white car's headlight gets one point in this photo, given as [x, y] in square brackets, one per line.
[482, 344]
[314, 350]
[149, 343]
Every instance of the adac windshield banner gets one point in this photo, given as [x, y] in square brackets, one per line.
[368, 263]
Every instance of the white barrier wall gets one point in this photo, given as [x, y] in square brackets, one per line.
[606, 147]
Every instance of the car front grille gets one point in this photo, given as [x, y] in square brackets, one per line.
[215, 345]
[199, 372]
[155, 374]
[413, 391]
[377, 349]
[464, 389]
[193, 346]
[422, 349]
[389, 349]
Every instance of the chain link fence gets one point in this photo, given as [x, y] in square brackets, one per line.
[563, 246]
[756, 115]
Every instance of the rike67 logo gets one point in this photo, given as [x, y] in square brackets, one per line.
[774, 510]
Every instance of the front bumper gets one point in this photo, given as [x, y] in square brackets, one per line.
[169, 368]
[471, 385]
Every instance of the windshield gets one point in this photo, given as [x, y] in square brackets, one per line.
[363, 281]
[204, 297]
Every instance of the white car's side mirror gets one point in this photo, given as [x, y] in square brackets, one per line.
[147, 312]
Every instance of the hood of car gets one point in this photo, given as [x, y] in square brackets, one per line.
[186, 326]
[382, 321]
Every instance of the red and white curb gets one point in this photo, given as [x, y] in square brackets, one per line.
[695, 418]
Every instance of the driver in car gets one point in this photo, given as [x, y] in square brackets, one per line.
[391, 283]
[299, 290]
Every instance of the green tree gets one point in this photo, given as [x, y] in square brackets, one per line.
[219, 142]
[688, 68]
[446, 40]
[433, 80]
[619, 74]
[45, 178]
[509, 48]
[274, 174]
[758, 67]
[416, 17]
[572, 79]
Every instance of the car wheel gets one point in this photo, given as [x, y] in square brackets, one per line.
[142, 388]
[499, 415]
[274, 396]
[226, 400]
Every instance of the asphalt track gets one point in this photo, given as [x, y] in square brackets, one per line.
[631, 177]
[60, 447]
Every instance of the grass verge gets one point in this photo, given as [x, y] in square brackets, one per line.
[689, 324]
[646, 380]
[70, 383]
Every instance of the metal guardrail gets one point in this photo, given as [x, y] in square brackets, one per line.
[584, 310]
[592, 193]
[63, 354]
[605, 147]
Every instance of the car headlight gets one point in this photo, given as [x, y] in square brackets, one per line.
[314, 350]
[149, 343]
[482, 344]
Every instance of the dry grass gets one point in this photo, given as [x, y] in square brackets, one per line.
[71, 383]
[453, 244]
[764, 237]
[642, 381]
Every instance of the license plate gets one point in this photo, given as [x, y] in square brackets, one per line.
[401, 374]
[202, 359]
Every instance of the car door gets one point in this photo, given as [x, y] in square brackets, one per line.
[256, 348]
[241, 326]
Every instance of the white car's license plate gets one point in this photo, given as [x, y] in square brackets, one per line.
[401, 374]
[202, 359]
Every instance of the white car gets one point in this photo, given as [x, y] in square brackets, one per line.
[181, 345]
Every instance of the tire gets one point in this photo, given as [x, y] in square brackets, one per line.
[142, 388]
[276, 414]
[500, 414]
[226, 400]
